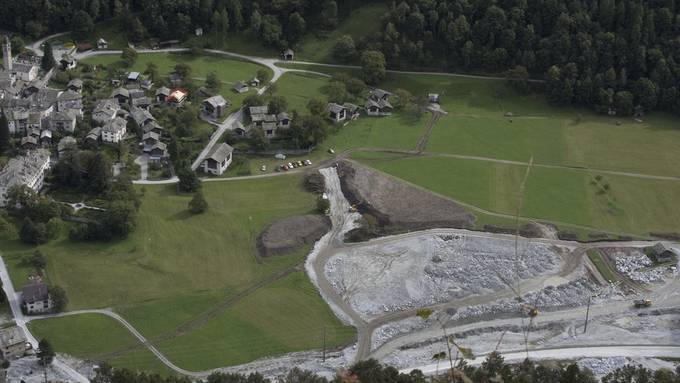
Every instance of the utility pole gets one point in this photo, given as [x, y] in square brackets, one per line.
[585, 327]
[324, 344]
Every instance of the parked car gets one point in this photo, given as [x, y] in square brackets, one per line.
[290, 166]
[263, 168]
[308, 162]
[300, 164]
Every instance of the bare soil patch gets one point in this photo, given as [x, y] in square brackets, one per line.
[292, 233]
[397, 205]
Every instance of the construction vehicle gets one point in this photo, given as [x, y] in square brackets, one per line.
[639, 303]
[530, 311]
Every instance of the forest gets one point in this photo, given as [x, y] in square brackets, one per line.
[615, 56]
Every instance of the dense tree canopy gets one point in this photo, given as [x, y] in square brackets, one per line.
[612, 55]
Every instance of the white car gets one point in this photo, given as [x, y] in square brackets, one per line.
[263, 168]
[308, 163]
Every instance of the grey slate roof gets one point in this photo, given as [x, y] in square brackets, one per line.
[35, 292]
[220, 152]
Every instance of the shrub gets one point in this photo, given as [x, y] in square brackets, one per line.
[314, 183]
[198, 204]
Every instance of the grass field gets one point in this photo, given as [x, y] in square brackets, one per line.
[596, 258]
[97, 335]
[292, 303]
[228, 70]
[625, 205]
[360, 23]
[177, 266]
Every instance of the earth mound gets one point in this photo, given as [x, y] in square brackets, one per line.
[292, 233]
[397, 204]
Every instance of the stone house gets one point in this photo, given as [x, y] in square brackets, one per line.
[36, 298]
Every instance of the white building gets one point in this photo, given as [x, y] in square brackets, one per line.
[36, 298]
[28, 170]
[114, 130]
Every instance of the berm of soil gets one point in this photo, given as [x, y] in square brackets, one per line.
[397, 204]
[292, 233]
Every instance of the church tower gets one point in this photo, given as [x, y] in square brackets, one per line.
[7, 54]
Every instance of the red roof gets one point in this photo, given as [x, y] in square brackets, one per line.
[84, 47]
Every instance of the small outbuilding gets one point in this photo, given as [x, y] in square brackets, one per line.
[162, 94]
[241, 87]
[102, 44]
[336, 113]
[288, 55]
[215, 106]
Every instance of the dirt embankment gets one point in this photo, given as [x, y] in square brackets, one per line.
[289, 234]
[397, 205]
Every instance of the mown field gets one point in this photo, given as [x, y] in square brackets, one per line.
[91, 336]
[618, 204]
[228, 70]
[177, 266]
[579, 140]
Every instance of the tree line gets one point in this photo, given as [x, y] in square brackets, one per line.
[610, 55]
[493, 369]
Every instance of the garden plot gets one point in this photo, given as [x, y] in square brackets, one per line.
[428, 269]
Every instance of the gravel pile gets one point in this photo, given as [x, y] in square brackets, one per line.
[430, 269]
[392, 330]
[603, 366]
[572, 294]
[633, 266]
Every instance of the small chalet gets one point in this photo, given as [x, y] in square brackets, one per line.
[121, 95]
[133, 77]
[29, 142]
[93, 136]
[102, 44]
[177, 97]
[337, 113]
[36, 298]
[241, 87]
[663, 252]
[198, 32]
[46, 138]
[67, 62]
[378, 103]
[353, 111]
[215, 106]
[157, 152]
[218, 160]
[75, 85]
[141, 102]
[254, 82]
[283, 120]
[288, 55]
[13, 343]
[433, 98]
[162, 94]
[151, 138]
[146, 83]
